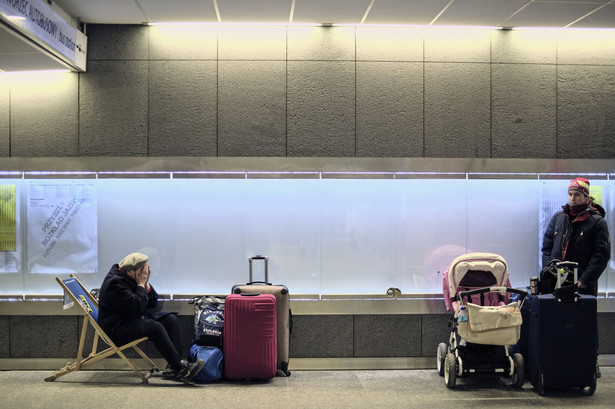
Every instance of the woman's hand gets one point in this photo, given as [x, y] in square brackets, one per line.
[142, 276]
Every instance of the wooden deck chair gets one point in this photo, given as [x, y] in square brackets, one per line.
[89, 306]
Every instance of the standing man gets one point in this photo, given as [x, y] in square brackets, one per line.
[579, 233]
[126, 301]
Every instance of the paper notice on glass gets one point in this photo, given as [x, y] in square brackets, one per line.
[8, 218]
[62, 227]
[596, 192]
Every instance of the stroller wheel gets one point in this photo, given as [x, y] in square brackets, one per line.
[441, 357]
[518, 377]
[450, 370]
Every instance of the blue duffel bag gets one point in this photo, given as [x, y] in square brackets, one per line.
[212, 370]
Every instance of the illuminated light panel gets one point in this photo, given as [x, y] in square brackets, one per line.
[256, 24]
[58, 173]
[282, 173]
[6, 173]
[503, 173]
[417, 26]
[34, 73]
[49, 80]
[561, 28]
[307, 24]
[130, 172]
[210, 172]
[431, 173]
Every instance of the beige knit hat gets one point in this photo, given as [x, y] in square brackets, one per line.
[133, 261]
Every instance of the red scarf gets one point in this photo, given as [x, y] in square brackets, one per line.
[576, 209]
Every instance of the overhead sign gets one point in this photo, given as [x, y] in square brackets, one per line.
[36, 20]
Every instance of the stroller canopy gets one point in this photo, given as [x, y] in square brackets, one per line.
[474, 270]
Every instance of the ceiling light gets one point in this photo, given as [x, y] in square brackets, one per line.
[38, 72]
[416, 26]
[563, 28]
[262, 24]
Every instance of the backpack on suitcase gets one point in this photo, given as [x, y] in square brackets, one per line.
[284, 313]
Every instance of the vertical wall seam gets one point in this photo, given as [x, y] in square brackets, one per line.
[217, 90]
[147, 73]
[424, 88]
[557, 98]
[355, 91]
[10, 118]
[491, 95]
[79, 113]
[286, 93]
[421, 331]
[354, 346]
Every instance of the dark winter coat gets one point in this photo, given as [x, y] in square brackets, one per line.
[121, 301]
[583, 239]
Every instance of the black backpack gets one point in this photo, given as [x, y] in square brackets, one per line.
[548, 277]
[569, 290]
[208, 320]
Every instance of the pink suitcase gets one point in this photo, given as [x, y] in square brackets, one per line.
[250, 336]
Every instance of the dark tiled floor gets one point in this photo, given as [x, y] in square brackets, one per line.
[304, 389]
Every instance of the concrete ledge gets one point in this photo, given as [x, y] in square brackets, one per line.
[296, 364]
[300, 306]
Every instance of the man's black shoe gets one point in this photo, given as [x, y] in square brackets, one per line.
[189, 370]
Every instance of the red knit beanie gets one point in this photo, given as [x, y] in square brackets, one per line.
[580, 184]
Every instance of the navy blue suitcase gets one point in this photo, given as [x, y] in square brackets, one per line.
[562, 343]
[522, 345]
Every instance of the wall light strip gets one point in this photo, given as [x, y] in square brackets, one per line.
[209, 172]
[60, 173]
[213, 23]
[5, 173]
[566, 29]
[422, 26]
[34, 72]
[431, 173]
[135, 172]
[375, 25]
[282, 172]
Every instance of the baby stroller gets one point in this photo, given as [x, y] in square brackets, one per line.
[484, 321]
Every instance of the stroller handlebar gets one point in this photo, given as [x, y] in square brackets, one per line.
[521, 292]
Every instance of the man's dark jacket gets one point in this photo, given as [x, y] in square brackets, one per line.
[583, 239]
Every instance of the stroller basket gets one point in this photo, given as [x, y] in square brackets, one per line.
[491, 325]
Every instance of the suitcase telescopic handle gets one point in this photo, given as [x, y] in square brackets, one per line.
[560, 266]
[258, 257]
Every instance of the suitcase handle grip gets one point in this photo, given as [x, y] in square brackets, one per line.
[258, 257]
[258, 282]
[560, 266]
[266, 268]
